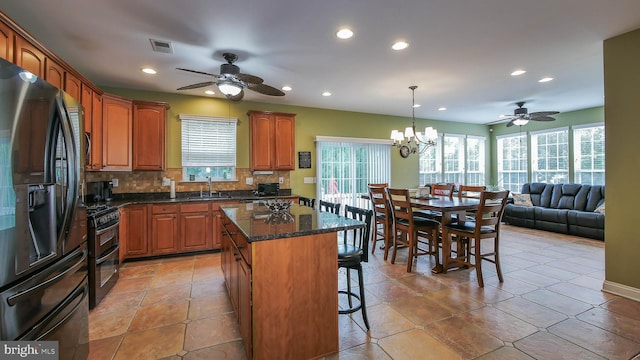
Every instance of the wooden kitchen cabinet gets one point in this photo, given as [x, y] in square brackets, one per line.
[116, 133]
[72, 86]
[217, 230]
[272, 140]
[54, 73]
[95, 135]
[122, 234]
[136, 244]
[7, 37]
[29, 57]
[195, 227]
[164, 229]
[149, 124]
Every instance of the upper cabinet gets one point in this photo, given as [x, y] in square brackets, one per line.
[29, 57]
[116, 133]
[149, 124]
[6, 42]
[72, 86]
[272, 140]
[54, 73]
[92, 103]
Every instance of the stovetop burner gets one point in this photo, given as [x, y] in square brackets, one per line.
[92, 209]
[102, 216]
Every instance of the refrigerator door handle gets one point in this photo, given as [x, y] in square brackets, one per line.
[14, 299]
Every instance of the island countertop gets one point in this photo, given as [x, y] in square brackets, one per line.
[257, 223]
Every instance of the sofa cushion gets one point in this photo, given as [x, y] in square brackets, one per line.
[600, 209]
[564, 196]
[522, 199]
[540, 193]
[586, 224]
[595, 197]
[551, 219]
[519, 215]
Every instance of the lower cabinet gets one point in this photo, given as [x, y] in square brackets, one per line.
[135, 230]
[236, 265]
[163, 229]
[195, 227]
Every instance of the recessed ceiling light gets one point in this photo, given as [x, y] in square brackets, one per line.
[400, 45]
[326, 93]
[518, 72]
[287, 88]
[149, 71]
[545, 79]
[442, 108]
[209, 92]
[344, 33]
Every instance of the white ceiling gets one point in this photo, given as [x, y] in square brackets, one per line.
[460, 55]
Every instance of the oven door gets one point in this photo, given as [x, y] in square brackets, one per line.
[104, 240]
[103, 275]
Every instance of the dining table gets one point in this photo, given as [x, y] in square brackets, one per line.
[448, 207]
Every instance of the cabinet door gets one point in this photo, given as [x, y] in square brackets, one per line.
[122, 234]
[29, 57]
[244, 305]
[284, 142]
[195, 234]
[149, 122]
[72, 86]
[116, 134]
[95, 137]
[216, 229]
[54, 74]
[136, 243]
[164, 234]
[262, 146]
[6, 42]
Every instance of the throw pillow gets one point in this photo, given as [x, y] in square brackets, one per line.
[600, 209]
[522, 199]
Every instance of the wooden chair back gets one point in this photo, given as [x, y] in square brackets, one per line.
[329, 207]
[470, 191]
[442, 190]
[401, 208]
[489, 214]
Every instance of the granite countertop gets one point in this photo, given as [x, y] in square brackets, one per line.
[257, 223]
[120, 200]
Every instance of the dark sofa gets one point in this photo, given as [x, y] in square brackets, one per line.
[562, 208]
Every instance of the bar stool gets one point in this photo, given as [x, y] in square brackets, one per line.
[329, 207]
[352, 251]
[383, 220]
[411, 228]
[305, 201]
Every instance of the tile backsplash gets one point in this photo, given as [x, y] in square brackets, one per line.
[151, 181]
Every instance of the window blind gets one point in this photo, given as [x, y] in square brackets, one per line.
[208, 140]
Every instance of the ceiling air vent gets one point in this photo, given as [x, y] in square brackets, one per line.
[161, 46]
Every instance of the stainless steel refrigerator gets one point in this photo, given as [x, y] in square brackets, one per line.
[43, 249]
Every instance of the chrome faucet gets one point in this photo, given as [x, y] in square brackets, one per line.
[209, 183]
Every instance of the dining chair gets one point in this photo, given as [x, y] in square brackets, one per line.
[445, 190]
[352, 252]
[408, 229]
[469, 236]
[305, 201]
[470, 192]
[382, 220]
[327, 206]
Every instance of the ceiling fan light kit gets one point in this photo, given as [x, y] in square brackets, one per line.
[521, 115]
[410, 141]
[231, 82]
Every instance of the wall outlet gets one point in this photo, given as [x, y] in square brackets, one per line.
[281, 180]
[114, 182]
[249, 181]
[166, 181]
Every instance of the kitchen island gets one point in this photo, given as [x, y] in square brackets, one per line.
[281, 272]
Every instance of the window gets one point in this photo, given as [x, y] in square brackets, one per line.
[475, 161]
[588, 145]
[550, 156]
[347, 165]
[512, 161]
[208, 147]
[453, 163]
[430, 164]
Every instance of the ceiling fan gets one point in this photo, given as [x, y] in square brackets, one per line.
[521, 116]
[231, 82]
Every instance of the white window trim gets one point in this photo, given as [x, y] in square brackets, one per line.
[353, 140]
[547, 131]
[587, 126]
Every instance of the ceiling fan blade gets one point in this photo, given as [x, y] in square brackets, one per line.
[543, 113]
[250, 79]
[542, 118]
[197, 72]
[197, 86]
[265, 89]
[510, 123]
[238, 97]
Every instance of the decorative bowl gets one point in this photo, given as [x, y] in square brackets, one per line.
[278, 206]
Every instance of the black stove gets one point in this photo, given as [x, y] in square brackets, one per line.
[102, 216]
[104, 247]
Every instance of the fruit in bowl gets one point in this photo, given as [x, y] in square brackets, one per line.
[278, 206]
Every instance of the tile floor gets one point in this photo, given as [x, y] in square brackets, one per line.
[549, 307]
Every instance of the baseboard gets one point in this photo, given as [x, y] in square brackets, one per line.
[622, 290]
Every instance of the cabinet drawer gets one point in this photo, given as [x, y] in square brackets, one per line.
[164, 209]
[244, 247]
[198, 207]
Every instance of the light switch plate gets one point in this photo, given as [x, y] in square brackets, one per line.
[249, 181]
[114, 182]
[281, 180]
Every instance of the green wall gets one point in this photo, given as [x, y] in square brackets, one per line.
[310, 122]
[622, 96]
[571, 118]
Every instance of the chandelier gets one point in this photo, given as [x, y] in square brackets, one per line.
[412, 141]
